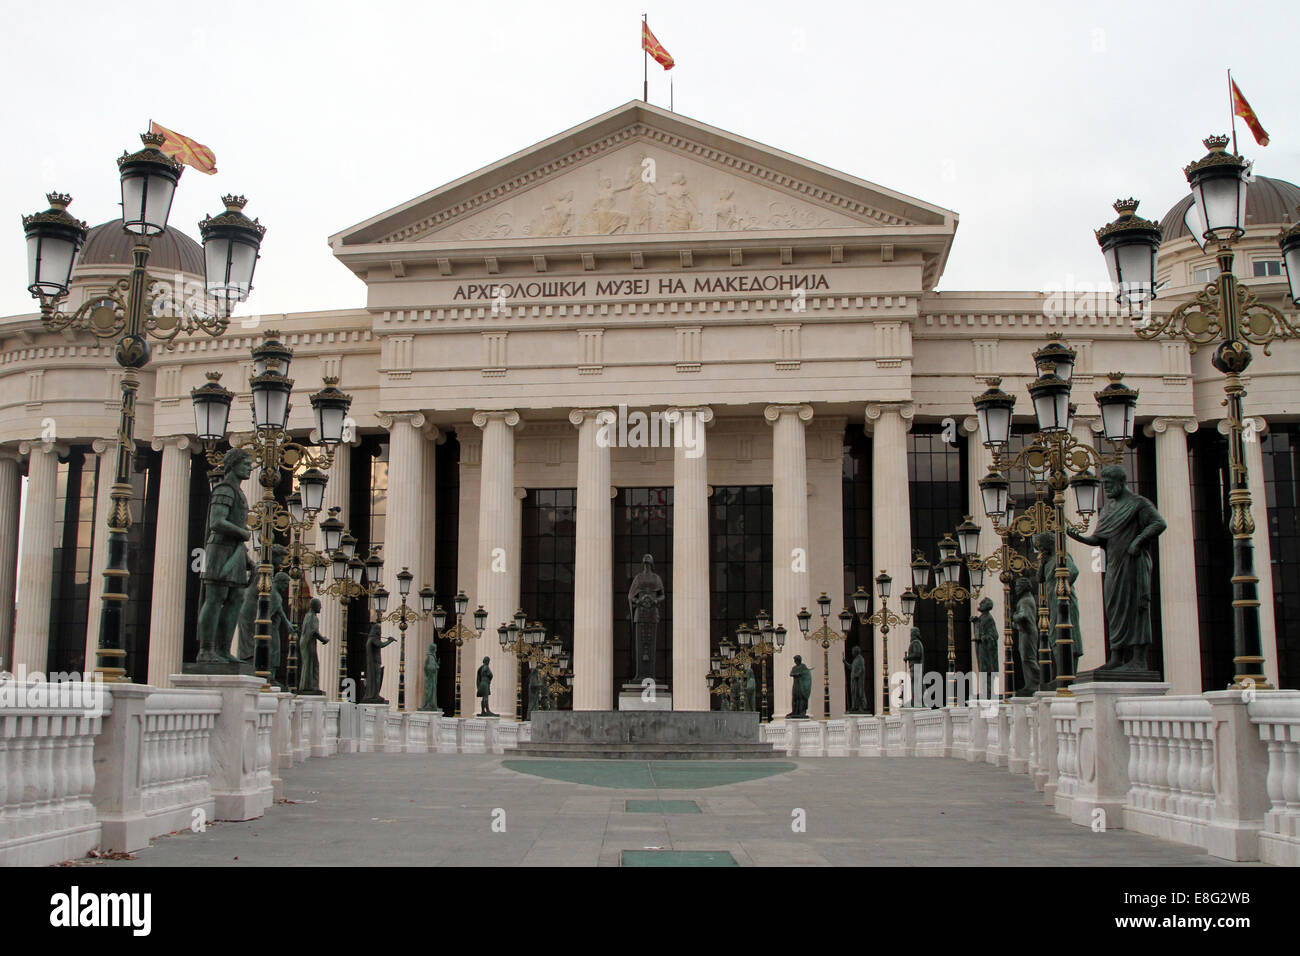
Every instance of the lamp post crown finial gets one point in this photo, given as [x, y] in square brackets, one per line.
[153, 140]
[1126, 207]
[58, 201]
[234, 203]
[1216, 143]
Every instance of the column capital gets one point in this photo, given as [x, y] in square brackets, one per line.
[1158, 426]
[388, 419]
[1261, 425]
[101, 446]
[970, 424]
[35, 445]
[703, 413]
[601, 416]
[180, 442]
[876, 410]
[509, 416]
[11, 453]
[773, 412]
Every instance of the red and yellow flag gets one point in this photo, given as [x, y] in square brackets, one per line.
[185, 150]
[655, 48]
[1241, 108]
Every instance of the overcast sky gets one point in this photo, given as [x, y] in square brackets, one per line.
[1027, 119]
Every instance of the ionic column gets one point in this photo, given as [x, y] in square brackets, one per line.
[891, 514]
[403, 547]
[593, 566]
[498, 559]
[691, 559]
[338, 492]
[171, 561]
[1092, 610]
[10, 490]
[105, 454]
[36, 562]
[419, 636]
[1263, 550]
[1179, 620]
[790, 587]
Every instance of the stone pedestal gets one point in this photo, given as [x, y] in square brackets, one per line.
[1103, 751]
[979, 731]
[447, 734]
[841, 736]
[373, 721]
[634, 696]
[1241, 769]
[237, 793]
[313, 717]
[870, 736]
[478, 735]
[1021, 735]
[1044, 767]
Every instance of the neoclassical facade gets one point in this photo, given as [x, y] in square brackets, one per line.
[643, 264]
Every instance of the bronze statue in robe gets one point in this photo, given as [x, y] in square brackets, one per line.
[431, 666]
[644, 598]
[986, 638]
[375, 644]
[858, 683]
[800, 689]
[914, 658]
[308, 638]
[1126, 529]
[1025, 621]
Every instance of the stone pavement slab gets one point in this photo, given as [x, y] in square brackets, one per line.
[474, 810]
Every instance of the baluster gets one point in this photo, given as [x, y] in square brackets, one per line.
[6, 814]
[1291, 783]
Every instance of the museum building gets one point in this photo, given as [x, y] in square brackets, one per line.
[644, 265]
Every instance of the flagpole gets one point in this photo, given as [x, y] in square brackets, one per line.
[670, 94]
[645, 64]
[1232, 111]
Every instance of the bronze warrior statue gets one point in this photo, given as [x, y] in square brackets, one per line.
[227, 566]
[310, 635]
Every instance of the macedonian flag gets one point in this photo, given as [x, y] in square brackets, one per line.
[185, 150]
[655, 48]
[1241, 108]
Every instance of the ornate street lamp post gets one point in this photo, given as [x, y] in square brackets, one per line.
[272, 450]
[1225, 314]
[353, 578]
[760, 642]
[826, 637]
[403, 617]
[131, 311]
[947, 591]
[526, 641]
[1054, 457]
[458, 634]
[884, 618]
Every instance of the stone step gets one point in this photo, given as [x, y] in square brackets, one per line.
[646, 751]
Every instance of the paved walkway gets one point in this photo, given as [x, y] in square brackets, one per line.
[444, 809]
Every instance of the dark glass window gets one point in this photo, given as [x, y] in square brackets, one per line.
[936, 471]
[1281, 451]
[1207, 459]
[446, 581]
[858, 567]
[74, 530]
[546, 562]
[146, 474]
[643, 524]
[740, 565]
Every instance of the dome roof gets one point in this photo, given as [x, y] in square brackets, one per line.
[1268, 202]
[108, 244]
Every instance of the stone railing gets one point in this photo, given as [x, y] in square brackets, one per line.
[931, 728]
[47, 776]
[1065, 722]
[1171, 763]
[1277, 718]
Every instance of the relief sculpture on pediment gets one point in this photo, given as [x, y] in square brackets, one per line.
[556, 218]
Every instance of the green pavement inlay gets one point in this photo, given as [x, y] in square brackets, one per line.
[662, 806]
[678, 858]
[650, 774]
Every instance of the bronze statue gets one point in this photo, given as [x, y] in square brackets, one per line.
[247, 646]
[535, 689]
[986, 638]
[915, 661]
[308, 637]
[1126, 529]
[375, 644]
[281, 627]
[858, 683]
[801, 689]
[750, 688]
[483, 680]
[644, 598]
[1025, 621]
[431, 666]
[1046, 546]
[227, 566]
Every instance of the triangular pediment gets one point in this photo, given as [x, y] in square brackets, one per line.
[640, 170]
